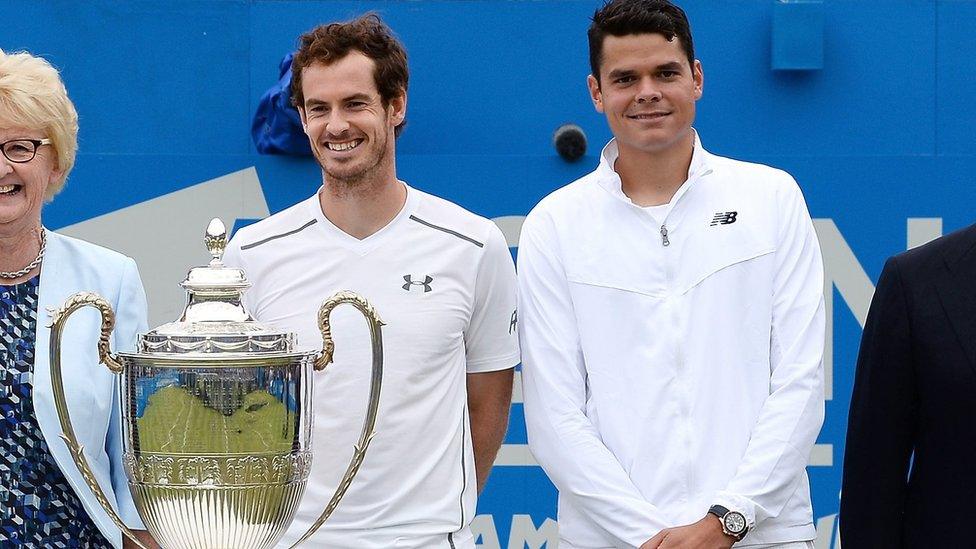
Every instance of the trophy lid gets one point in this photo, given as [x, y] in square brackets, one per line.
[215, 320]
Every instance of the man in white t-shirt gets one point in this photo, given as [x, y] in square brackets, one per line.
[672, 319]
[441, 278]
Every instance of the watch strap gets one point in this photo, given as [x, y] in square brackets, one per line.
[718, 511]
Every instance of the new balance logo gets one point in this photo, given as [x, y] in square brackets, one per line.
[514, 323]
[723, 218]
[410, 283]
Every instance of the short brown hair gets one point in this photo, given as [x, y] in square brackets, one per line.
[366, 34]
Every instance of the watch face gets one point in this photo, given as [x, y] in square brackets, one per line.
[734, 522]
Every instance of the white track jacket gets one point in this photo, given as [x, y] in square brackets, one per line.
[673, 360]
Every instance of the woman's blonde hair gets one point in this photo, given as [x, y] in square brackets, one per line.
[33, 96]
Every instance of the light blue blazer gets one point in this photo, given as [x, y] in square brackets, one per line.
[92, 391]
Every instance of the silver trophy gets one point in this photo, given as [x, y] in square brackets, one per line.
[216, 411]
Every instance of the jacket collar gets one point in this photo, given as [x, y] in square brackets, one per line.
[52, 276]
[51, 293]
[607, 177]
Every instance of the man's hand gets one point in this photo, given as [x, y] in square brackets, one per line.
[705, 534]
[655, 542]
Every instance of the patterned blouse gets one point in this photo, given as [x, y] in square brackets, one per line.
[38, 508]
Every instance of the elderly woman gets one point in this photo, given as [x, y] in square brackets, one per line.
[44, 501]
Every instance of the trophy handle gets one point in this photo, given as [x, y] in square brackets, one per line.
[328, 347]
[106, 357]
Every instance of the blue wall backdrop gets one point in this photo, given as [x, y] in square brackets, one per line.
[880, 139]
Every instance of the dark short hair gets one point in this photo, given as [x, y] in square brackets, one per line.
[625, 17]
[366, 34]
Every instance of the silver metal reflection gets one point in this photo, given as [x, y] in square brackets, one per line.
[217, 413]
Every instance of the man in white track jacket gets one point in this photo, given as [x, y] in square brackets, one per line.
[671, 319]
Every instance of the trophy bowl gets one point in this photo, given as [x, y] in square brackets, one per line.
[216, 413]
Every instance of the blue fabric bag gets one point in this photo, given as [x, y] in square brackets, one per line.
[277, 128]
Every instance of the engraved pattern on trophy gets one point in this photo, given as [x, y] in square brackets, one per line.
[248, 344]
[216, 414]
[224, 470]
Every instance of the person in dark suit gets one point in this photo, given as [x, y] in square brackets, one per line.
[910, 464]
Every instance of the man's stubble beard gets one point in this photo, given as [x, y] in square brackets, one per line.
[363, 183]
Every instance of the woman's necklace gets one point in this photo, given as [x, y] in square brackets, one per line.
[10, 275]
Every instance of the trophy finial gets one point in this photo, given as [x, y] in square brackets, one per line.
[216, 240]
[215, 289]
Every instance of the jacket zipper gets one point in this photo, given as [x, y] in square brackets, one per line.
[664, 236]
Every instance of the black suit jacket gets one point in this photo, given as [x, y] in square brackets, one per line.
[910, 462]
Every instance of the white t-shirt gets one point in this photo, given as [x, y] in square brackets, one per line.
[443, 281]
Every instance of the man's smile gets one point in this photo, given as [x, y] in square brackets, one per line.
[344, 145]
[656, 115]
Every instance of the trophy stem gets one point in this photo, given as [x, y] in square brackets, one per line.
[369, 422]
[105, 355]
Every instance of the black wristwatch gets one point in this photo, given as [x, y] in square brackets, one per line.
[733, 522]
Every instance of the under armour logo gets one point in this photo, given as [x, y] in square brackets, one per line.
[410, 283]
[514, 323]
[723, 218]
